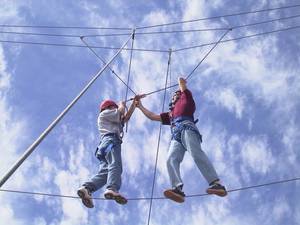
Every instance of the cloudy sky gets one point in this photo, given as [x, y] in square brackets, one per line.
[246, 91]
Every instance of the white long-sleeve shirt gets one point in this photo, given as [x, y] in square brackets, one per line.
[109, 121]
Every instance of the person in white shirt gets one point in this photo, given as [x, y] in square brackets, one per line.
[110, 124]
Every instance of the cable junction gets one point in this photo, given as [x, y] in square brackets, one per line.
[103, 61]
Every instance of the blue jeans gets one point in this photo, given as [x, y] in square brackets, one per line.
[190, 140]
[110, 168]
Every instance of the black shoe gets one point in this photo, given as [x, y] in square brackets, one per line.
[217, 189]
[175, 194]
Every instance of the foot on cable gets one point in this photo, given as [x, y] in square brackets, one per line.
[175, 194]
[114, 195]
[217, 189]
[86, 197]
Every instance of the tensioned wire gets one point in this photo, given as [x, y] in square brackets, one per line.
[150, 33]
[159, 136]
[154, 198]
[147, 50]
[220, 41]
[129, 72]
[103, 61]
[152, 26]
[194, 69]
[218, 17]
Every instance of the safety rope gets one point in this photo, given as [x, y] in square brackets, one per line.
[159, 136]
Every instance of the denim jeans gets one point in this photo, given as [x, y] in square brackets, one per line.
[191, 142]
[110, 168]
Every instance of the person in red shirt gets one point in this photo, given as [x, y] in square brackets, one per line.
[185, 137]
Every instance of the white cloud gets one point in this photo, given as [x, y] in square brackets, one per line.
[7, 214]
[39, 221]
[10, 132]
[228, 99]
[281, 209]
[257, 155]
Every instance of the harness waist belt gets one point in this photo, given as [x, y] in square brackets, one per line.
[181, 118]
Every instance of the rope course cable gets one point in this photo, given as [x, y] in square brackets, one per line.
[154, 198]
[221, 16]
[103, 61]
[64, 27]
[159, 136]
[150, 33]
[239, 38]
[214, 43]
[129, 72]
[195, 68]
[149, 50]
[150, 26]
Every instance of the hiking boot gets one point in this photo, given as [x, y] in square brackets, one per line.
[217, 189]
[175, 194]
[86, 197]
[113, 195]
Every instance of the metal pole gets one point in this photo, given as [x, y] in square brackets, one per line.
[31, 148]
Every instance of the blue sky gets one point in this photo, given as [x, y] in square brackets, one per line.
[246, 91]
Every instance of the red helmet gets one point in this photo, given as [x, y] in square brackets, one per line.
[107, 103]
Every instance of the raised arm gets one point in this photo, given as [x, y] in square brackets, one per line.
[182, 84]
[121, 108]
[129, 112]
[147, 113]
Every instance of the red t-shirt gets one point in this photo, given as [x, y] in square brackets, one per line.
[185, 106]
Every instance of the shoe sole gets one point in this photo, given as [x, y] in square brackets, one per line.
[220, 193]
[121, 200]
[173, 196]
[118, 198]
[84, 200]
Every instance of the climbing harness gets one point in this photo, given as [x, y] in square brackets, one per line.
[107, 142]
[182, 123]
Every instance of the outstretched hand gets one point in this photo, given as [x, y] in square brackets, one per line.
[137, 100]
[122, 107]
[182, 83]
[181, 80]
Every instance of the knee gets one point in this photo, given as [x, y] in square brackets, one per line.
[199, 155]
[115, 166]
[172, 161]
